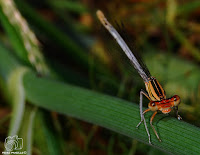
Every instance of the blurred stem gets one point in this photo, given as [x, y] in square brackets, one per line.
[89, 138]
[170, 18]
[47, 28]
[27, 127]
[72, 24]
[30, 129]
[77, 126]
[189, 7]
[17, 98]
[182, 39]
[171, 11]
[133, 147]
[111, 144]
[49, 141]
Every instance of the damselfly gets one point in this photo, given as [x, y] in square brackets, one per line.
[155, 92]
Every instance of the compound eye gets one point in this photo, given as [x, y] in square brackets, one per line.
[177, 100]
[153, 106]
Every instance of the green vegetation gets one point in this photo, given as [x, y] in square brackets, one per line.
[63, 93]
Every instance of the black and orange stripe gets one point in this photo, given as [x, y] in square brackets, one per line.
[155, 90]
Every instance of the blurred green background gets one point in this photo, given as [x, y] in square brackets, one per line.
[71, 49]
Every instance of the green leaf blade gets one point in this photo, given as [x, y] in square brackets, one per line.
[178, 137]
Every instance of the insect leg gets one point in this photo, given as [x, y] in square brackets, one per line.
[142, 117]
[142, 92]
[151, 120]
[177, 115]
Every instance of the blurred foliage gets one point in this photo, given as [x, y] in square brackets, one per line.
[166, 34]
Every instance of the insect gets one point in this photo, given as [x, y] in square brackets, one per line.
[155, 93]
